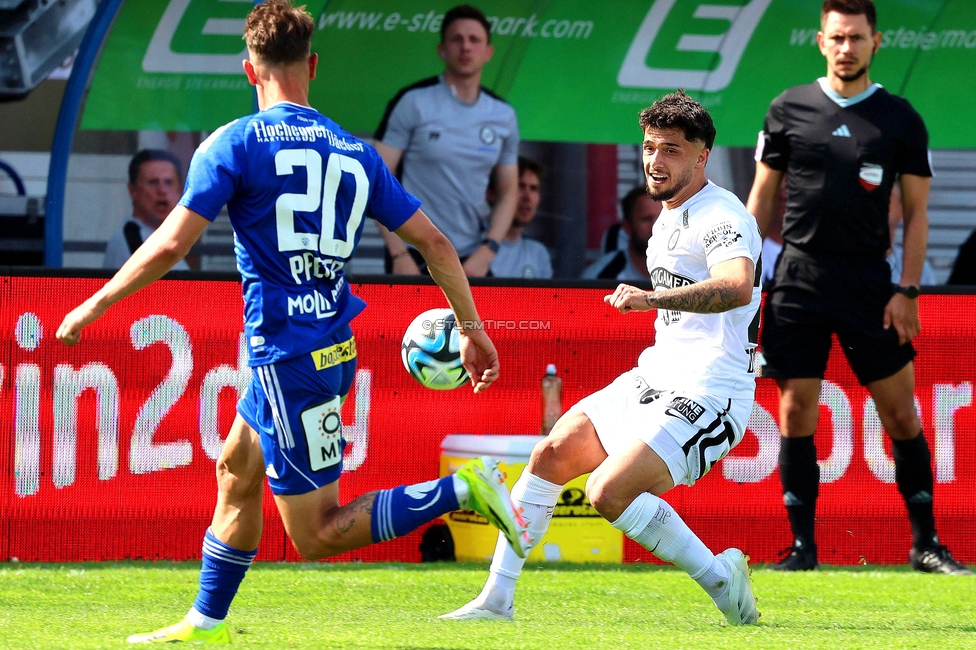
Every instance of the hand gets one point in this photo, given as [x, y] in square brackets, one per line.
[902, 312]
[69, 332]
[478, 263]
[479, 358]
[627, 298]
[403, 264]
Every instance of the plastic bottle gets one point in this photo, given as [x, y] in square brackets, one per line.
[552, 399]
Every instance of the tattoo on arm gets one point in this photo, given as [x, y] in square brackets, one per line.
[712, 296]
[346, 518]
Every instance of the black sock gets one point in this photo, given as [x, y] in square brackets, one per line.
[913, 474]
[800, 476]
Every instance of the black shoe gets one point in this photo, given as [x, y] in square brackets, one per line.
[936, 559]
[799, 557]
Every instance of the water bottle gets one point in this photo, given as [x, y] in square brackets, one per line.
[552, 399]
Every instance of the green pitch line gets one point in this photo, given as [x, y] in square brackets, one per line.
[564, 606]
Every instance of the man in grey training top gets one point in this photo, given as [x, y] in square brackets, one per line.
[449, 133]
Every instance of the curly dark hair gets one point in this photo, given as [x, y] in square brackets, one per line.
[461, 12]
[278, 32]
[679, 111]
[529, 165]
[850, 8]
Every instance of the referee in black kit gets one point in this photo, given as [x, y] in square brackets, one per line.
[842, 142]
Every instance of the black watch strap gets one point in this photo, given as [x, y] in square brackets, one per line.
[911, 291]
[491, 244]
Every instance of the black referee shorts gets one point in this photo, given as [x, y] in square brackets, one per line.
[813, 297]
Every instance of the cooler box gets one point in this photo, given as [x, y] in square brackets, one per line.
[577, 533]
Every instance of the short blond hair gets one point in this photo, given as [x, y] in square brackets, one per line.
[278, 32]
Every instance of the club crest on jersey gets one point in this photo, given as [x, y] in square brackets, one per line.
[674, 240]
[871, 176]
[487, 135]
[722, 234]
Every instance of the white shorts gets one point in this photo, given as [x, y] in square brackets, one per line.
[690, 432]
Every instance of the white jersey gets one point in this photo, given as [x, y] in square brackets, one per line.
[711, 354]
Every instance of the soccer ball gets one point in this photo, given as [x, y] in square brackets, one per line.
[431, 350]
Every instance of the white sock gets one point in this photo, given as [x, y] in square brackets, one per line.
[461, 490]
[199, 621]
[652, 522]
[537, 497]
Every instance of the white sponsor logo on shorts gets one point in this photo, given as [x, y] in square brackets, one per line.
[323, 431]
[688, 409]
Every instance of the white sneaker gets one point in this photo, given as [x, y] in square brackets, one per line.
[738, 602]
[477, 609]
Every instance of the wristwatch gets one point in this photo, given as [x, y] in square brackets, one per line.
[911, 291]
[492, 245]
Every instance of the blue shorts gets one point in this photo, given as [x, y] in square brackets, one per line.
[294, 405]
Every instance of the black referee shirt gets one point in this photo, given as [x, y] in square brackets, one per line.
[840, 165]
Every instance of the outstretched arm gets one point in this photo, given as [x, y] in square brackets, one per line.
[157, 255]
[403, 263]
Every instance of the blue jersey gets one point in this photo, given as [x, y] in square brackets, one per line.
[296, 188]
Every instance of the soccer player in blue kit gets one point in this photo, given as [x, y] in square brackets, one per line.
[296, 188]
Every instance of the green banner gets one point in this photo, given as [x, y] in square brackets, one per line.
[575, 70]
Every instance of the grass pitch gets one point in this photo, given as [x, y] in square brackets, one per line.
[558, 606]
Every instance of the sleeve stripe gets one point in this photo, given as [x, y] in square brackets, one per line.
[385, 121]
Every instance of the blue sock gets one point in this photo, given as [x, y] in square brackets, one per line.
[220, 576]
[398, 511]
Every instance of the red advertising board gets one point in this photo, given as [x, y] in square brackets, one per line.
[110, 445]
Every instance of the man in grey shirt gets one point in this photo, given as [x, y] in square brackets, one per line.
[520, 257]
[449, 133]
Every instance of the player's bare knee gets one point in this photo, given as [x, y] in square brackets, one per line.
[605, 497]
[238, 482]
[317, 543]
[901, 422]
[552, 460]
[798, 418]
[310, 548]
[557, 457]
[543, 457]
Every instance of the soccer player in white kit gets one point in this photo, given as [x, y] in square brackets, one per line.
[686, 404]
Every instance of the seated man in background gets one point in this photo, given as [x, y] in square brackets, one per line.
[640, 213]
[518, 256]
[154, 185]
[614, 239]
